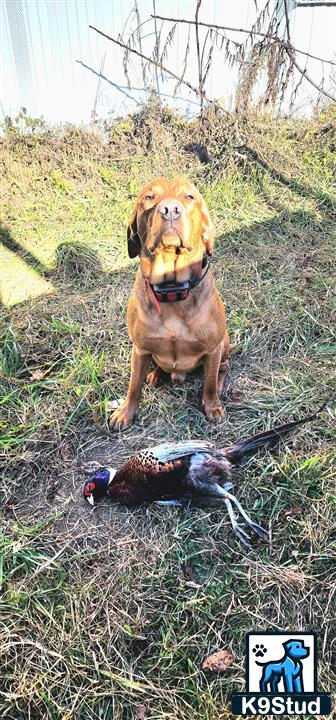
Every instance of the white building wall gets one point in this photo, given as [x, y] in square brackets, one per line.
[43, 40]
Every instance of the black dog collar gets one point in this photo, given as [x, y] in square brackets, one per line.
[174, 292]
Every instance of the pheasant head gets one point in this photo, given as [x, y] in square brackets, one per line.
[96, 487]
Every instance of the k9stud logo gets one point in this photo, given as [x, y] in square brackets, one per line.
[281, 676]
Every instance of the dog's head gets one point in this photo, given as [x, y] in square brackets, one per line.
[170, 228]
[295, 649]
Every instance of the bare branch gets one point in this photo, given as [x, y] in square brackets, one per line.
[271, 36]
[185, 62]
[199, 62]
[180, 80]
[270, 53]
[139, 39]
[214, 26]
[316, 4]
[306, 76]
[156, 50]
[286, 45]
[99, 74]
[291, 54]
[287, 23]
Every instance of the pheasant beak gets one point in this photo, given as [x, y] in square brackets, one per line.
[88, 491]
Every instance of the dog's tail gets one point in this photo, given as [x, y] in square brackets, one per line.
[266, 440]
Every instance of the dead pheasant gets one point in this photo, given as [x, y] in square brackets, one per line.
[176, 473]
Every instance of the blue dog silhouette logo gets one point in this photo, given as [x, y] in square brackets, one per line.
[281, 662]
[289, 668]
[281, 676]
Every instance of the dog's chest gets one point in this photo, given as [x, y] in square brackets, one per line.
[177, 346]
[176, 336]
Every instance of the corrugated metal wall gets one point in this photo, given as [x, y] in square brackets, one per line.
[55, 66]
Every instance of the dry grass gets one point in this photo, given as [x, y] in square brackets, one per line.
[109, 614]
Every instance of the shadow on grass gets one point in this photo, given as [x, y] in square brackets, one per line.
[79, 267]
[24, 268]
[286, 231]
[326, 203]
[8, 242]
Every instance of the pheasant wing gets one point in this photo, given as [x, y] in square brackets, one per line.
[167, 452]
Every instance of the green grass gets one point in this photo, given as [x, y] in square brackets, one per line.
[110, 614]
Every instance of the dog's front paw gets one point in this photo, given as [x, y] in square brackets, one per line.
[213, 409]
[122, 417]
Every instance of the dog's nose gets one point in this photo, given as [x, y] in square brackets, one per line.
[170, 209]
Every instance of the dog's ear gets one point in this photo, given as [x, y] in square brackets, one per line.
[133, 240]
[208, 236]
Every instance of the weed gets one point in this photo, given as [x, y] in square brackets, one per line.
[10, 361]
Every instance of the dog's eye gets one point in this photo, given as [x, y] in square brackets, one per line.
[149, 197]
[190, 197]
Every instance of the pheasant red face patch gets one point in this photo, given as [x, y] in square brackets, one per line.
[89, 488]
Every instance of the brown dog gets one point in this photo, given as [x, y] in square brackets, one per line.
[175, 315]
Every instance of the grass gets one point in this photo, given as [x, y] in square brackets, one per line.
[110, 614]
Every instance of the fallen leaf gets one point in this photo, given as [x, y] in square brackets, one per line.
[39, 374]
[65, 453]
[219, 661]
